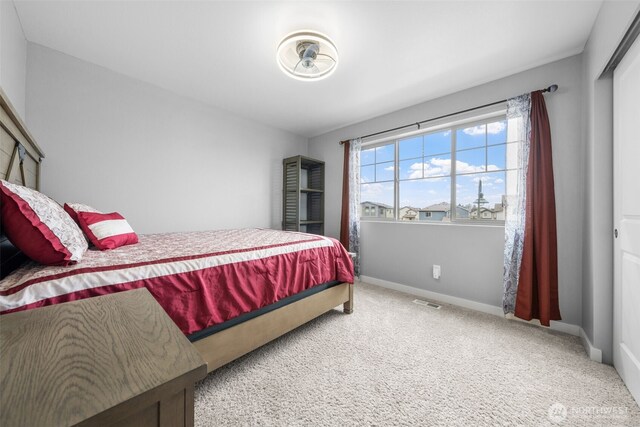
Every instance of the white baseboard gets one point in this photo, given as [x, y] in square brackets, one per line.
[594, 353]
[448, 299]
[567, 328]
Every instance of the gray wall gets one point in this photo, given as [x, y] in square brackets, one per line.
[166, 162]
[597, 303]
[13, 56]
[471, 256]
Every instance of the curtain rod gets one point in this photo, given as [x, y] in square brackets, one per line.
[549, 89]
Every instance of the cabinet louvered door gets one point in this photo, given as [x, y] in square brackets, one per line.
[291, 214]
[303, 195]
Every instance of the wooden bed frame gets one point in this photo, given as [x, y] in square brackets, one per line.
[217, 349]
[227, 345]
[20, 155]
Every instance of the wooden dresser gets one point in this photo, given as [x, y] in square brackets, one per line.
[110, 360]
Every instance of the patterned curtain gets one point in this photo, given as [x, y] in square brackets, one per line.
[355, 145]
[519, 128]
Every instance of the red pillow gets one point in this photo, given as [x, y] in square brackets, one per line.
[39, 227]
[107, 231]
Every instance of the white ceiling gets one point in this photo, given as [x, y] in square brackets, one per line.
[392, 54]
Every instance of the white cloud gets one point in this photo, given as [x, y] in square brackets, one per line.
[464, 167]
[496, 127]
[488, 180]
[492, 128]
[389, 168]
[416, 170]
[474, 131]
[371, 191]
[376, 192]
[439, 167]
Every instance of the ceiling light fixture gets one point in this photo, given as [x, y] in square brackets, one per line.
[307, 55]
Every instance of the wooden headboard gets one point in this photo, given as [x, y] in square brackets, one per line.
[21, 155]
[20, 158]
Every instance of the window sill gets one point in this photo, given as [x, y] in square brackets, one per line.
[496, 224]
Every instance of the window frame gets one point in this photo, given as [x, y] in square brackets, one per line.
[454, 126]
[394, 181]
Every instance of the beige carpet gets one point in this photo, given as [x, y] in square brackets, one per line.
[393, 362]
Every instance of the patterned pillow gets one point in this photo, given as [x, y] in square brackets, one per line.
[73, 208]
[40, 227]
[107, 231]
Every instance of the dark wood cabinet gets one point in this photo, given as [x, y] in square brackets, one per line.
[303, 195]
[111, 360]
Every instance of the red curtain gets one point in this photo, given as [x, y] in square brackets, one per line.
[537, 296]
[344, 220]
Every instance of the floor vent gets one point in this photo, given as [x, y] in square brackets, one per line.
[427, 303]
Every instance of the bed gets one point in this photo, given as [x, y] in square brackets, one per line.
[229, 291]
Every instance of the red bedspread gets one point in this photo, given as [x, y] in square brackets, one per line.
[201, 279]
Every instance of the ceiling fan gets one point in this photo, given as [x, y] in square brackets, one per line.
[307, 55]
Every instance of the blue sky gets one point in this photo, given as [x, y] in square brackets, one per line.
[425, 162]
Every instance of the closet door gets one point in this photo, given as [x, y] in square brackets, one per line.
[626, 295]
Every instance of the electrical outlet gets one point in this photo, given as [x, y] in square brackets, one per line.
[436, 271]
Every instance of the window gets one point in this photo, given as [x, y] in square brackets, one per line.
[377, 175]
[467, 166]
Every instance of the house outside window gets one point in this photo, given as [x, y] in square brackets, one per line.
[377, 177]
[470, 166]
